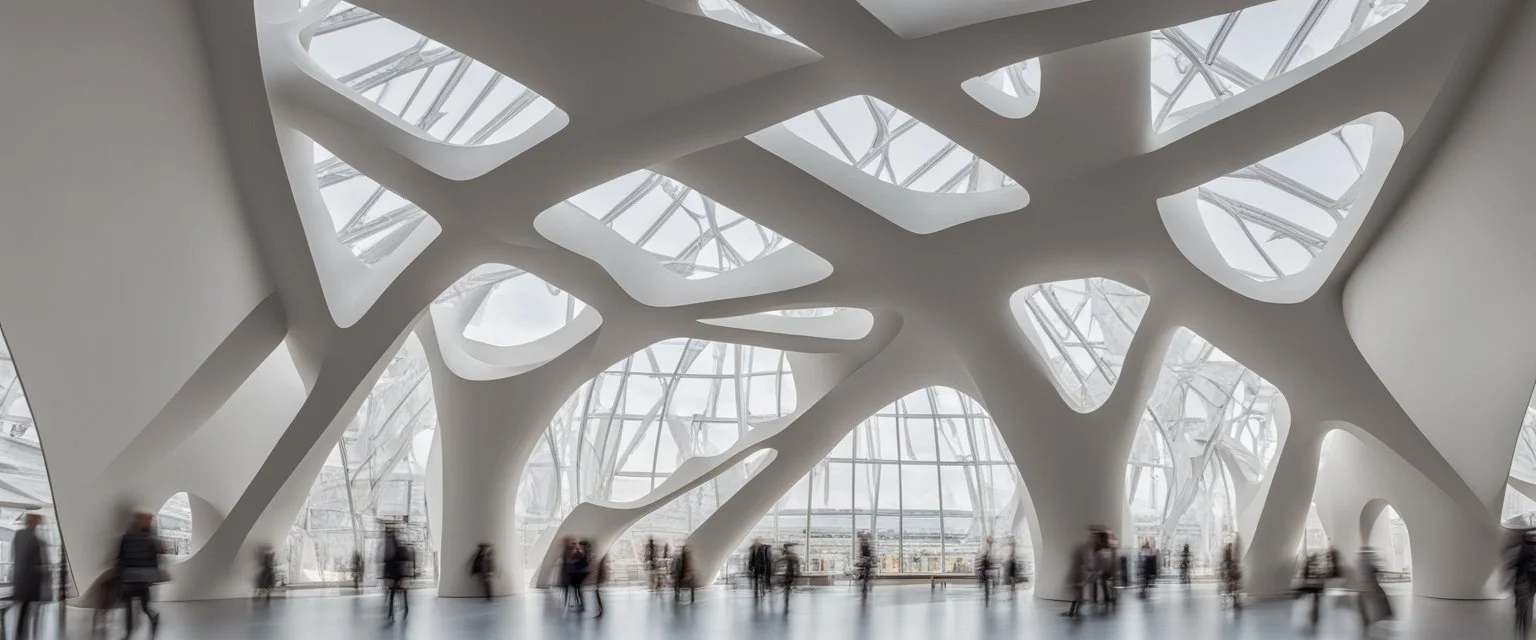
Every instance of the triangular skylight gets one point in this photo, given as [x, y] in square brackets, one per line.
[1196, 65]
[1012, 91]
[1271, 219]
[887, 143]
[686, 231]
[370, 220]
[732, 13]
[1083, 328]
[512, 307]
[445, 94]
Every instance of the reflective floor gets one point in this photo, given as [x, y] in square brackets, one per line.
[892, 613]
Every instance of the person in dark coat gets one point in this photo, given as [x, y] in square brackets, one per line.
[398, 565]
[138, 567]
[266, 574]
[29, 577]
[483, 568]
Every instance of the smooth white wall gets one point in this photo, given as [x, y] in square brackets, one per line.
[124, 256]
[1442, 307]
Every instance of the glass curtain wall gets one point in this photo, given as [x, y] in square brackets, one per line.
[24, 484]
[1206, 440]
[928, 476]
[671, 525]
[375, 475]
[624, 432]
[1519, 506]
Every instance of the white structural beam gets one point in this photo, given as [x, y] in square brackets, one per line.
[248, 321]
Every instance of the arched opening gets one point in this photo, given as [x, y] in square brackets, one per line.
[376, 475]
[624, 433]
[173, 523]
[928, 477]
[1208, 436]
[1385, 535]
[670, 525]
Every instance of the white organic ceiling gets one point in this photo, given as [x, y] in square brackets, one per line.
[1079, 215]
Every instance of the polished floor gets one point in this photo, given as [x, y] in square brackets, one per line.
[892, 613]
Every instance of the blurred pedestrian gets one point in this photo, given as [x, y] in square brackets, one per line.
[29, 573]
[1186, 564]
[790, 562]
[1149, 567]
[266, 574]
[138, 567]
[399, 563]
[984, 572]
[357, 572]
[1521, 571]
[682, 574]
[1374, 604]
[483, 568]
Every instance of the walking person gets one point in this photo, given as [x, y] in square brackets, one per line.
[1232, 576]
[866, 565]
[138, 567]
[1013, 571]
[682, 574]
[398, 561]
[357, 572]
[791, 565]
[29, 573]
[1079, 575]
[1522, 578]
[483, 568]
[266, 574]
[1149, 567]
[1374, 605]
[653, 563]
[1312, 584]
[1104, 569]
[577, 566]
[1186, 563]
[984, 572]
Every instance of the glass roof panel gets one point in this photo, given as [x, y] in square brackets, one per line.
[688, 233]
[891, 145]
[732, 13]
[1196, 65]
[370, 220]
[513, 307]
[1270, 219]
[1084, 329]
[443, 93]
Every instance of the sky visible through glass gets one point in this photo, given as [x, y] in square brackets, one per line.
[687, 232]
[624, 432]
[436, 90]
[1209, 428]
[928, 477]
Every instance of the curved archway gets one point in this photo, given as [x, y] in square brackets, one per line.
[930, 479]
[1386, 533]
